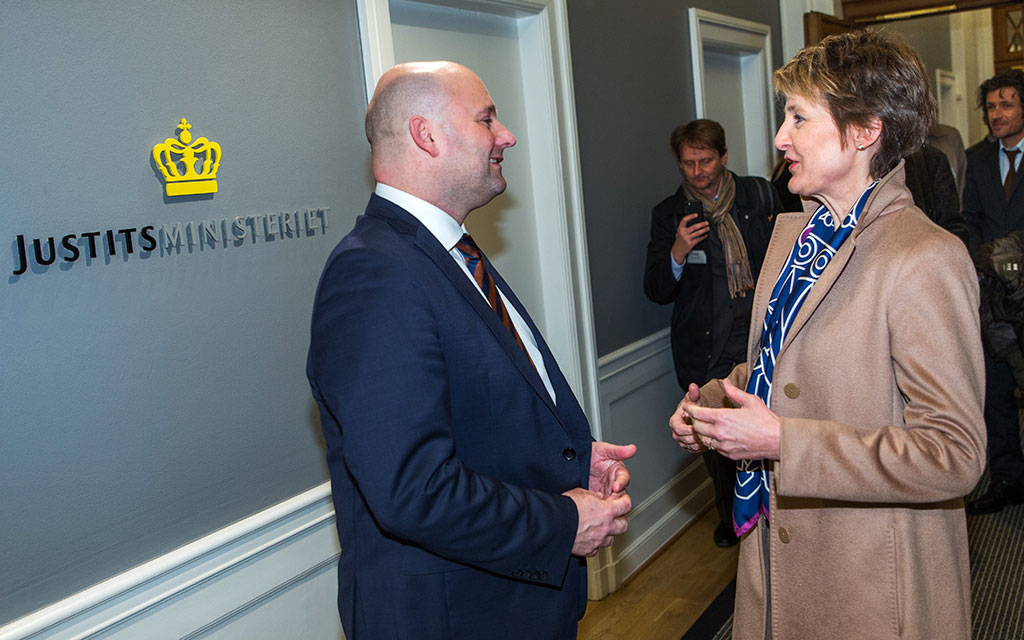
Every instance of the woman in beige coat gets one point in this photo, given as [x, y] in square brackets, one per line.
[857, 421]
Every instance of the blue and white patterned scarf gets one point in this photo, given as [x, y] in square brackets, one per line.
[813, 251]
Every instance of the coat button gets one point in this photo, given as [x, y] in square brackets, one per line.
[784, 535]
[569, 454]
[792, 391]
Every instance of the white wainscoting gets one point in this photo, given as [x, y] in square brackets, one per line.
[274, 574]
[270, 576]
[670, 487]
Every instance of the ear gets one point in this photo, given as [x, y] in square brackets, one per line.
[725, 156]
[421, 131]
[866, 135]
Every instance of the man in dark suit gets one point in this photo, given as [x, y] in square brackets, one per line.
[467, 487]
[706, 265]
[994, 207]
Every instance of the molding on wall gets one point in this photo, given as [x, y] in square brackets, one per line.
[229, 580]
[751, 45]
[542, 30]
[205, 585]
[655, 521]
[621, 372]
[658, 519]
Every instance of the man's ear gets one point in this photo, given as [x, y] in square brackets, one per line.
[421, 131]
[866, 135]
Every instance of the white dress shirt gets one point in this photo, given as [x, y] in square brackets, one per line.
[1004, 160]
[448, 232]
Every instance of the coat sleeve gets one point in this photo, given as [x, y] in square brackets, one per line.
[973, 212]
[945, 199]
[660, 285]
[935, 450]
[377, 365]
[712, 394]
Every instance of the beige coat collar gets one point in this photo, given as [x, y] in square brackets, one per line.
[890, 195]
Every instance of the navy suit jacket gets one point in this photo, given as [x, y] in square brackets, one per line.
[446, 453]
[989, 215]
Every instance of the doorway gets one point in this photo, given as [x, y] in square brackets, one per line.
[534, 232]
[737, 55]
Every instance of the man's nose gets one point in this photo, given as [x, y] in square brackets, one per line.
[505, 138]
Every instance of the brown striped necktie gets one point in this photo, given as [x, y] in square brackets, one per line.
[473, 257]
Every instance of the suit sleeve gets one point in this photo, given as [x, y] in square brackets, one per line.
[378, 365]
[938, 452]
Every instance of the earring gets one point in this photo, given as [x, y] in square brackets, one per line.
[860, 147]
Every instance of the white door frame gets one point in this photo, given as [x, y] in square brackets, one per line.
[950, 99]
[752, 43]
[554, 160]
[555, 171]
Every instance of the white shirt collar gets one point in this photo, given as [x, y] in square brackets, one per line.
[443, 227]
[1019, 146]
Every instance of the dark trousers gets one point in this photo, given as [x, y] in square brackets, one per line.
[721, 469]
[1005, 460]
[723, 478]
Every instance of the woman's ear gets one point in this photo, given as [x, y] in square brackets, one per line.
[422, 132]
[866, 135]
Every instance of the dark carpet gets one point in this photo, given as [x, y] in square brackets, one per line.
[716, 621]
[996, 543]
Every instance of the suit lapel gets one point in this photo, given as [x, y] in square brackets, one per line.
[992, 174]
[420, 237]
[993, 177]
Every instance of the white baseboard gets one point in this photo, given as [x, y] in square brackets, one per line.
[670, 487]
[233, 583]
[274, 574]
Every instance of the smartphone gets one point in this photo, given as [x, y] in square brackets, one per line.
[691, 206]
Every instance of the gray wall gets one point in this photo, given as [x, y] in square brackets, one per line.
[632, 77]
[930, 38]
[149, 399]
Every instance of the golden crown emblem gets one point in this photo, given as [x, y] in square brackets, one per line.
[177, 160]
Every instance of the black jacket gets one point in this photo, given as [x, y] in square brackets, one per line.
[989, 215]
[931, 182]
[702, 311]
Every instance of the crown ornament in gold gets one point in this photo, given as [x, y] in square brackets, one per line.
[177, 160]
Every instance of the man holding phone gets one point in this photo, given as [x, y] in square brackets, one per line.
[707, 244]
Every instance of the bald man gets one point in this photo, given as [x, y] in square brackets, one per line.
[467, 487]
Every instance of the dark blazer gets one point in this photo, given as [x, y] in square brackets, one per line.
[931, 183]
[447, 455]
[989, 215]
[702, 309]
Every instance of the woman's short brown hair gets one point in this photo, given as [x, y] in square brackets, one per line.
[864, 75]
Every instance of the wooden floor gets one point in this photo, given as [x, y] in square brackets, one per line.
[664, 598]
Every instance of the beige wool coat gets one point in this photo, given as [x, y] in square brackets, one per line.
[879, 387]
